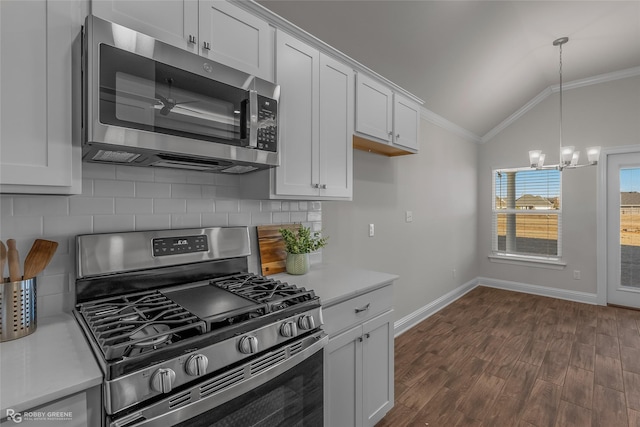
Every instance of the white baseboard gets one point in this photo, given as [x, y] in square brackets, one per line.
[402, 325]
[407, 322]
[576, 296]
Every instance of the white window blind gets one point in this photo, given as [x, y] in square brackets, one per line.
[527, 213]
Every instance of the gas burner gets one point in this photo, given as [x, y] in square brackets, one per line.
[156, 334]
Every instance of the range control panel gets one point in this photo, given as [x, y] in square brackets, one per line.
[180, 245]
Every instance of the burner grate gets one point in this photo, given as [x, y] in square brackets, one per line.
[133, 324]
[275, 294]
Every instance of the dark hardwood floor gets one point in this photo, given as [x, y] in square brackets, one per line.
[497, 358]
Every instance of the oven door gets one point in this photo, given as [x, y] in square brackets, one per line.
[280, 388]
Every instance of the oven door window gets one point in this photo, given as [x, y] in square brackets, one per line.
[294, 398]
[140, 93]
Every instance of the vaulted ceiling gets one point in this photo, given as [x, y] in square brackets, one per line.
[475, 63]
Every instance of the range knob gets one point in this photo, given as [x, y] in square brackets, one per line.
[196, 365]
[289, 329]
[162, 380]
[248, 344]
[306, 322]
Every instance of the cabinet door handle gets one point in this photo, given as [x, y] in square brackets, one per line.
[323, 186]
[398, 136]
[206, 45]
[390, 134]
[359, 339]
[192, 38]
[367, 335]
[315, 185]
[365, 308]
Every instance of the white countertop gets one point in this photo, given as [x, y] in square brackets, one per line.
[53, 362]
[336, 283]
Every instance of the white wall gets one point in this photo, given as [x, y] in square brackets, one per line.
[439, 186]
[605, 114]
[125, 198]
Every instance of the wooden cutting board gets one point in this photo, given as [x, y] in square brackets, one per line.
[271, 246]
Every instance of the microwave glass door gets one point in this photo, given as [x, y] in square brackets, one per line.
[140, 93]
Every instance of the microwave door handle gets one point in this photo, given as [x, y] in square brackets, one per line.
[253, 119]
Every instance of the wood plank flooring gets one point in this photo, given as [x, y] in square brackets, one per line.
[497, 358]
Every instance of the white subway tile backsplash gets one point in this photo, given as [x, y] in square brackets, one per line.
[218, 219]
[249, 206]
[271, 206]
[111, 223]
[40, 205]
[130, 173]
[281, 217]
[98, 171]
[186, 191]
[239, 219]
[112, 188]
[134, 206]
[298, 216]
[314, 216]
[172, 206]
[118, 198]
[23, 226]
[67, 225]
[153, 190]
[199, 206]
[152, 222]
[227, 206]
[260, 218]
[80, 205]
[185, 220]
[170, 175]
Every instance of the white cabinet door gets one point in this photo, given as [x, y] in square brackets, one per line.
[36, 150]
[236, 38]
[172, 21]
[377, 367]
[374, 103]
[336, 128]
[297, 74]
[343, 379]
[406, 119]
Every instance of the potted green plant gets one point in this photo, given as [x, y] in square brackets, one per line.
[298, 245]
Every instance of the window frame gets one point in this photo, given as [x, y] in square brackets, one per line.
[496, 255]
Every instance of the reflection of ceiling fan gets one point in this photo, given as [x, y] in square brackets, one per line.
[167, 102]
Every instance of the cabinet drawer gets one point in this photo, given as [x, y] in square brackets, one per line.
[343, 315]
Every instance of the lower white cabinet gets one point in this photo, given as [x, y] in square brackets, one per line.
[36, 121]
[359, 360]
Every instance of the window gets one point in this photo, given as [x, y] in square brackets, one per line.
[527, 213]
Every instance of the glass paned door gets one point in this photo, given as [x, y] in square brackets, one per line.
[623, 229]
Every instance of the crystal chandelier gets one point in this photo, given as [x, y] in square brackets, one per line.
[568, 156]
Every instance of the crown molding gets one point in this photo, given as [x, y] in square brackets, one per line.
[601, 78]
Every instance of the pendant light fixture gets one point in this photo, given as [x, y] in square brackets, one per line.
[568, 156]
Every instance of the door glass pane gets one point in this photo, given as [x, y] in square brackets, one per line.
[630, 227]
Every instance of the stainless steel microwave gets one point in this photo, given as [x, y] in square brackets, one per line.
[147, 103]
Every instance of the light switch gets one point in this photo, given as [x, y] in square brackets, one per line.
[371, 230]
[408, 216]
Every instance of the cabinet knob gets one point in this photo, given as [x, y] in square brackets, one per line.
[398, 136]
[315, 185]
[367, 335]
[390, 134]
[206, 45]
[359, 339]
[192, 38]
[323, 186]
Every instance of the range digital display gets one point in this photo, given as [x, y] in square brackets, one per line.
[180, 245]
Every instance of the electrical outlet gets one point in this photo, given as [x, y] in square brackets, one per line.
[371, 230]
[408, 216]
[454, 273]
[576, 274]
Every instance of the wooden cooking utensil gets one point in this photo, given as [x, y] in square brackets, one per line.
[3, 260]
[38, 257]
[14, 261]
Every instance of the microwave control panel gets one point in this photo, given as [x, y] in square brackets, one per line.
[267, 123]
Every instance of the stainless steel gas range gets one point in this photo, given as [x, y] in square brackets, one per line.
[185, 336]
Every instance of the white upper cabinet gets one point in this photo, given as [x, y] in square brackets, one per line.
[374, 108]
[386, 122]
[315, 127]
[172, 21]
[236, 38]
[406, 119]
[37, 154]
[215, 29]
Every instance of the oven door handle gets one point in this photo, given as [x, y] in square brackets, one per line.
[166, 413]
